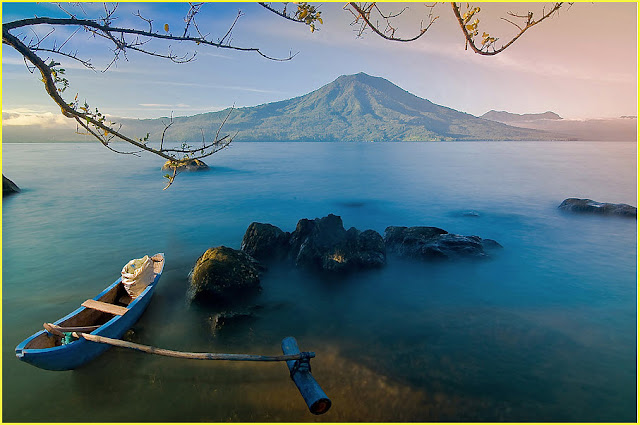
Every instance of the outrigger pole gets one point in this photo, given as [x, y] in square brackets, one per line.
[298, 362]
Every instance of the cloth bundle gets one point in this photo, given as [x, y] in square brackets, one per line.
[137, 274]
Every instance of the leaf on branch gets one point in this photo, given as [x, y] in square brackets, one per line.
[307, 14]
[488, 47]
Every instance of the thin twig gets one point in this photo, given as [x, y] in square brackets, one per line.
[483, 50]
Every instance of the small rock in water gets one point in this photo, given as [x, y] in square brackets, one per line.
[226, 319]
[470, 213]
[352, 204]
[131, 336]
[191, 165]
[604, 208]
[8, 187]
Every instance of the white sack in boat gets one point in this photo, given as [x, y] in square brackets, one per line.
[137, 274]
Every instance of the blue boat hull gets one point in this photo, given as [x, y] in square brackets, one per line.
[81, 351]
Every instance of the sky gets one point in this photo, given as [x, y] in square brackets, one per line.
[580, 64]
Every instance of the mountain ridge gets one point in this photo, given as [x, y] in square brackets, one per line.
[510, 117]
[356, 107]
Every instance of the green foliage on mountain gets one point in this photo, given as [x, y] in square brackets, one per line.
[352, 108]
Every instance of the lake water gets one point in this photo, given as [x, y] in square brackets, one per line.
[544, 331]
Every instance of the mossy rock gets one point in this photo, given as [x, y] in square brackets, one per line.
[190, 165]
[223, 274]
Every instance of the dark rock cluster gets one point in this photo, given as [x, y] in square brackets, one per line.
[322, 243]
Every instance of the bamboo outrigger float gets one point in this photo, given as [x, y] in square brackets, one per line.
[91, 329]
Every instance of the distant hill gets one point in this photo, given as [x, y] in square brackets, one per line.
[596, 129]
[351, 108]
[509, 118]
[599, 130]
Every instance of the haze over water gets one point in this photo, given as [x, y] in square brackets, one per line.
[543, 331]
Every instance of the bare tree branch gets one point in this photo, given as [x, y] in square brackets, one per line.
[304, 13]
[53, 92]
[235, 21]
[122, 40]
[73, 56]
[108, 32]
[282, 13]
[362, 14]
[487, 48]
[194, 9]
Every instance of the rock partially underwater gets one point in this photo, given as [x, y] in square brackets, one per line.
[435, 243]
[322, 243]
[223, 274]
[604, 208]
[191, 165]
[9, 187]
[229, 319]
[266, 242]
[228, 278]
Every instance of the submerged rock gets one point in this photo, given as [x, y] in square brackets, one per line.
[222, 274]
[191, 165]
[490, 244]
[590, 206]
[322, 243]
[434, 243]
[9, 187]
[226, 319]
[470, 213]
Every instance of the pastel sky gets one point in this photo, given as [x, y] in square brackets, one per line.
[581, 64]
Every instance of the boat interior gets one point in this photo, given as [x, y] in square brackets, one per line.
[96, 313]
[91, 316]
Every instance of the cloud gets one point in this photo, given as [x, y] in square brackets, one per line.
[549, 69]
[209, 86]
[164, 105]
[216, 86]
[146, 112]
[32, 118]
[213, 55]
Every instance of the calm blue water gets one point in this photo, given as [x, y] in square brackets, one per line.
[545, 331]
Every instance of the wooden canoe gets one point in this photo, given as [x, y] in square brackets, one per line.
[111, 313]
